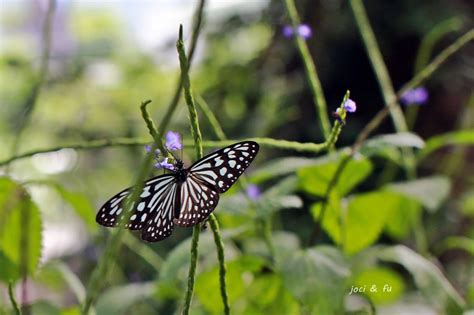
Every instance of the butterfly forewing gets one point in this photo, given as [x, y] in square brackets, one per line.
[222, 168]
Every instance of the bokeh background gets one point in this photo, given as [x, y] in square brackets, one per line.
[105, 58]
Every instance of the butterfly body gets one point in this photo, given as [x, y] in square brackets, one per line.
[185, 197]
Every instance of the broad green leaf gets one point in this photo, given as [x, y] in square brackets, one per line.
[430, 191]
[81, 205]
[381, 285]
[365, 218]
[276, 198]
[118, 300]
[330, 217]
[316, 277]
[315, 179]
[458, 242]
[208, 286]
[175, 268]
[357, 224]
[402, 218]
[267, 295]
[287, 165]
[20, 231]
[463, 137]
[467, 203]
[428, 278]
[381, 142]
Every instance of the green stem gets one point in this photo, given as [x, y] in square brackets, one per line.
[221, 258]
[378, 64]
[152, 129]
[424, 74]
[196, 133]
[11, 295]
[197, 23]
[211, 118]
[383, 80]
[38, 82]
[311, 73]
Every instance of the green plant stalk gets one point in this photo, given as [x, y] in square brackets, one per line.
[221, 258]
[197, 23]
[152, 129]
[114, 242]
[378, 64]
[24, 246]
[196, 133]
[311, 73]
[211, 118]
[434, 65]
[383, 80]
[213, 220]
[38, 82]
[424, 52]
[11, 295]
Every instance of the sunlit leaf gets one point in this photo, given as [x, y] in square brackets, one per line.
[402, 218]
[316, 278]
[381, 285]
[315, 179]
[20, 231]
[428, 278]
[117, 300]
[208, 286]
[430, 191]
[462, 137]
[381, 142]
[81, 205]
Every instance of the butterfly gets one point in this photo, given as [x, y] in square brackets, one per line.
[184, 197]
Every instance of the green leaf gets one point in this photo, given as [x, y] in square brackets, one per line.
[403, 218]
[430, 191]
[365, 218]
[117, 300]
[208, 287]
[401, 139]
[428, 278]
[315, 179]
[316, 278]
[463, 137]
[287, 165]
[357, 224]
[81, 205]
[458, 242]
[267, 295]
[20, 231]
[387, 285]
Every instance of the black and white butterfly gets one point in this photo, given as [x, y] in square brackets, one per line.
[185, 197]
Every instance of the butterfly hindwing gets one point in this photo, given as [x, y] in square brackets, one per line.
[222, 168]
[160, 225]
[198, 200]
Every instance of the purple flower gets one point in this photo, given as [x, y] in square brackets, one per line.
[302, 30]
[350, 106]
[173, 141]
[417, 96]
[165, 165]
[287, 31]
[253, 192]
[148, 148]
